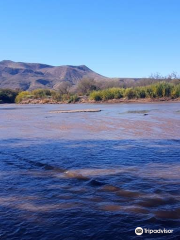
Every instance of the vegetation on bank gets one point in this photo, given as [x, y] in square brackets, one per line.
[89, 89]
[158, 90]
[46, 95]
[8, 95]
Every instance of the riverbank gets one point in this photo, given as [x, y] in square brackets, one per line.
[86, 100]
[161, 91]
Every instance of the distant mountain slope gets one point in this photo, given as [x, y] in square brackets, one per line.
[29, 76]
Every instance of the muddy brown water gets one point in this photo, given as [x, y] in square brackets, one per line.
[89, 175]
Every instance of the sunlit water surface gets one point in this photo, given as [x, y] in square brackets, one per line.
[89, 175]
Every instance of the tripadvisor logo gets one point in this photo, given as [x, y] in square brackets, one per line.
[139, 231]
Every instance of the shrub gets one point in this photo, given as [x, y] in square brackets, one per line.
[149, 92]
[106, 94]
[96, 95]
[56, 96]
[117, 92]
[73, 99]
[23, 95]
[175, 93]
[41, 93]
[130, 93]
[140, 92]
[86, 85]
[64, 87]
[7, 95]
[161, 89]
[69, 98]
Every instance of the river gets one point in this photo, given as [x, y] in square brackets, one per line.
[71, 176]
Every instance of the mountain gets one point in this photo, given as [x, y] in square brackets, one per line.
[29, 76]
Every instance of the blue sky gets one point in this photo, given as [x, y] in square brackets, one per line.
[116, 38]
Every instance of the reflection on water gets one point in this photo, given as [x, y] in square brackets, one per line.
[89, 175]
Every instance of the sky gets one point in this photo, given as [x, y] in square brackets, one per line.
[116, 38]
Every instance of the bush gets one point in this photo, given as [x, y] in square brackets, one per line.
[41, 93]
[117, 92]
[69, 98]
[56, 96]
[140, 92]
[96, 95]
[130, 93]
[85, 86]
[64, 87]
[23, 95]
[7, 95]
[162, 89]
[149, 92]
[175, 93]
[73, 99]
[106, 94]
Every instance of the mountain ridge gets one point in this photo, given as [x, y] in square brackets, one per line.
[29, 76]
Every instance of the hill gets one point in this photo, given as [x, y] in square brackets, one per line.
[29, 76]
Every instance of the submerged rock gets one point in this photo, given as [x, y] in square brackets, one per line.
[75, 111]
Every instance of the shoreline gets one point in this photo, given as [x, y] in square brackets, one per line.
[110, 101]
[144, 100]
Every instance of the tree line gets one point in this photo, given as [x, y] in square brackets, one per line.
[156, 86]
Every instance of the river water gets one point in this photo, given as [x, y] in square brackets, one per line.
[89, 175]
